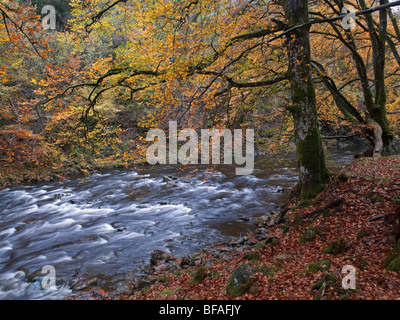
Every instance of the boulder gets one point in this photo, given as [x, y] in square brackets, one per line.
[200, 274]
[240, 281]
[169, 178]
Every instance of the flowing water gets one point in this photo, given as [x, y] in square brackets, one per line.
[108, 224]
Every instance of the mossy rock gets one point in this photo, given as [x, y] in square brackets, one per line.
[392, 259]
[170, 292]
[315, 267]
[200, 274]
[337, 247]
[252, 256]
[361, 234]
[164, 279]
[240, 281]
[332, 282]
[310, 234]
[280, 258]
[394, 264]
[214, 274]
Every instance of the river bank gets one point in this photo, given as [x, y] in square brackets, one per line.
[16, 174]
[297, 253]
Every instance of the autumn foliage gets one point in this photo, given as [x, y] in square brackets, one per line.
[83, 98]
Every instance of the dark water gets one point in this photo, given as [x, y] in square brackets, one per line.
[109, 223]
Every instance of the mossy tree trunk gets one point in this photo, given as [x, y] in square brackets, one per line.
[377, 110]
[310, 153]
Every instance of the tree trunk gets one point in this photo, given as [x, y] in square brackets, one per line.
[310, 153]
[377, 107]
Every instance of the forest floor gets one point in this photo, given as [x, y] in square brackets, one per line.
[298, 253]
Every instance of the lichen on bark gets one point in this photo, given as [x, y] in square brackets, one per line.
[310, 153]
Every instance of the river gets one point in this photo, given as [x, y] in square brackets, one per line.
[108, 224]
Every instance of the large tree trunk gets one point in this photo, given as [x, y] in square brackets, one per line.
[376, 106]
[310, 153]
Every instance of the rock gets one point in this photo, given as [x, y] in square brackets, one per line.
[337, 247]
[275, 189]
[158, 256]
[261, 236]
[271, 223]
[119, 227]
[171, 185]
[283, 256]
[250, 242]
[260, 230]
[392, 259]
[274, 212]
[262, 221]
[200, 274]
[243, 218]
[184, 262]
[20, 275]
[281, 216]
[169, 178]
[240, 281]
[163, 203]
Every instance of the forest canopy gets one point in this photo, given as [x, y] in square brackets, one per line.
[85, 94]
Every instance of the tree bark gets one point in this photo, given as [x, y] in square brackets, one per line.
[378, 110]
[310, 153]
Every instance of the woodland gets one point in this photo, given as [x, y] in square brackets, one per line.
[305, 75]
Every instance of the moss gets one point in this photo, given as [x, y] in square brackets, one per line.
[337, 247]
[254, 289]
[394, 265]
[214, 274]
[240, 281]
[270, 271]
[311, 157]
[252, 256]
[283, 256]
[164, 279]
[392, 259]
[330, 281]
[310, 234]
[360, 234]
[177, 272]
[318, 285]
[170, 292]
[200, 274]
[375, 197]
[318, 266]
